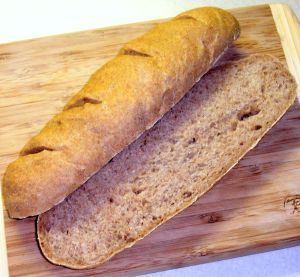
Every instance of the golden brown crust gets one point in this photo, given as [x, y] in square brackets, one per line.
[120, 101]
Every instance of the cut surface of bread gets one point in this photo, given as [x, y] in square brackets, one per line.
[169, 166]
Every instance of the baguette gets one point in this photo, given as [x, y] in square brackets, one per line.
[119, 102]
[169, 166]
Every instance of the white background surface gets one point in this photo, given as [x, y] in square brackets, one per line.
[23, 19]
[34, 18]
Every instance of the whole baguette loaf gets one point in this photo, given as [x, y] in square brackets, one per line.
[169, 166]
[119, 102]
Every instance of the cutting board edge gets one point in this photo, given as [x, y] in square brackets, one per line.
[3, 250]
[288, 28]
[220, 257]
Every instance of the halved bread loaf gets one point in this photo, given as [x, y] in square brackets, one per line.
[119, 102]
[169, 166]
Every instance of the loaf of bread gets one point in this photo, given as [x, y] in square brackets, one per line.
[169, 166]
[119, 102]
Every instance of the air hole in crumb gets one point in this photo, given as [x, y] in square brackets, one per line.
[233, 126]
[248, 112]
[137, 191]
[145, 202]
[154, 217]
[241, 143]
[190, 156]
[212, 125]
[187, 194]
[257, 127]
[154, 169]
[130, 239]
[111, 200]
[218, 134]
[192, 140]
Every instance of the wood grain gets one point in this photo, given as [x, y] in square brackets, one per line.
[255, 207]
[288, 29]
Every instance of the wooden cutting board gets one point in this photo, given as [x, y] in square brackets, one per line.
[255, 207]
